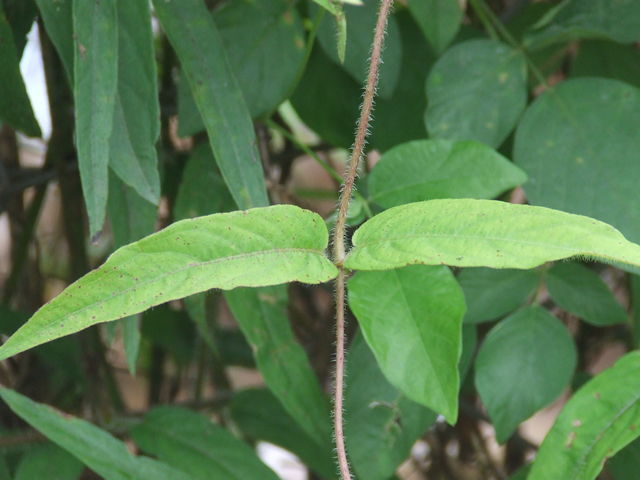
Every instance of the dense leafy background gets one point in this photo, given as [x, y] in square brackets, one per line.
[470, 313]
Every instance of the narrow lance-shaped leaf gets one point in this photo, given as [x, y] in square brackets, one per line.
[192, 443]
[15, 107]
[58, 21]
[599, 420]
[95, 80]
[99, 450]
[483, 233]
[263, 246]
[136, 120]
[195, 38]
[262, 316]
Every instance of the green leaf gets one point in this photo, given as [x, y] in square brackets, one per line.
[95, 31]
[96, 448]
[575, 19]
[524, 364]
[261, 416]
[439, 20]
[602, 58]
[131, 340]
[263, 246]
[398, 118]
[412, 320]
[15, 106]
[569, 138]
[192, 443]
[361, 20]
[329, 6]
[428, 169]
[262, 316]
[58, 21]
[330, 116]
[136, 121]
[131, 217]
[581, 291]
[599, 420]
[38, 462]
[266, 48]
[202, 190]
[5, 474]
[169, 329]
[197, 43]
[634, 290]
[21, 15]
[626, 463]
[483, 233]
[476, 91]
[491, 294]
[378, 418]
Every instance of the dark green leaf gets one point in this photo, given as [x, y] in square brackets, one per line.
[95, 76]
[58, 21]
[266, 47]
[131, 216]
[136, 120]
[524, 364]
[361, 20]
[15, 106]
[261, 416]
[476, 91]
[574, 19]
[378, 418]
[570, 138]
[202, 191]
[331, 116]
[262, 316]
[195, 38]
[398, 119]
[491, 294]
[21, 15]
[469, 344]
[428, 169]
[580, 291]
[635, 308]
[601, 58]
[170, 330]
[439, 20]
[48, 461]
[599, 420]
[475, 233]
[193, 444]
[625, 465]
[412, 320]
[96, 448]
[263, 246]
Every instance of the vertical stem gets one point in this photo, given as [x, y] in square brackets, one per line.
[339, 247]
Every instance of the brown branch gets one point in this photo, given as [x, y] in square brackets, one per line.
[339, 247]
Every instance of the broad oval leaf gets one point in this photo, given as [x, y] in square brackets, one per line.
[599, 420]
[262, 316]
[361, 20]
[99, 450]
[197, 43]
[428, 169]
[262, 246]
[581, 291]
[192, 443]
[569, 138]
[378, 418]
[95, 62]
[483, 233]
[476, 91]
[491, 293]
[524, 364]
[439, 20]
[412, 320]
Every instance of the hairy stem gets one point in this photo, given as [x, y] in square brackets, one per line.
[339, 247]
